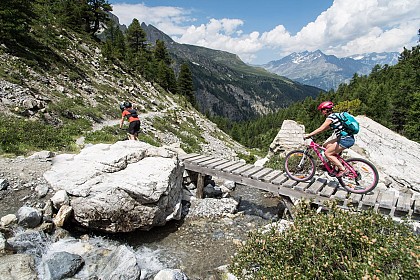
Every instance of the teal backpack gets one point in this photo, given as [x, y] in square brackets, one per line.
[351, 126]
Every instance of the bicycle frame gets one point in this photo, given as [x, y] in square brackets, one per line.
[330, 168]
[360, 177]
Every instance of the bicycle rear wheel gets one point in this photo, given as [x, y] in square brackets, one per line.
[366, 179]
[299, 166]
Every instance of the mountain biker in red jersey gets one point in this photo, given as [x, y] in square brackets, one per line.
[338, 144]
[134, 122]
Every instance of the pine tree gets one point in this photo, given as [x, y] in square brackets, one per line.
[136, 37]
[96, 13]
[114, 46]
[161, 75]
[15, 19]
[161, 53]
[185, 83]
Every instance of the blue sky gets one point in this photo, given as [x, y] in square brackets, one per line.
[265, 30]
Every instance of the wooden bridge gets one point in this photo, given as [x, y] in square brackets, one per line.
[318, 190]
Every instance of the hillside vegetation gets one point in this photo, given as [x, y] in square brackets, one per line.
[57, 80]
[390, 95]
[63, 79]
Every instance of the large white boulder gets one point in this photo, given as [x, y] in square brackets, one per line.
[120, 187]
[395, 156]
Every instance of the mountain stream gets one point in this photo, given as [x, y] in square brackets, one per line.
[197, 246]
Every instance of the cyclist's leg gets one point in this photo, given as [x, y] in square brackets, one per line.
[330, 140]
[131, 131]
[332, 148]
[344, 142]
[136, 129]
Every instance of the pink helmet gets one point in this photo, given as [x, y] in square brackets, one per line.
[325, 105]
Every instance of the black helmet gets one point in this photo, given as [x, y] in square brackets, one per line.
[122, 106]
[127, 104]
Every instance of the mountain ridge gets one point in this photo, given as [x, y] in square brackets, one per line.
[327, 71]
[226, 86]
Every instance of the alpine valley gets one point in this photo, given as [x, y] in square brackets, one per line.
[226, 86]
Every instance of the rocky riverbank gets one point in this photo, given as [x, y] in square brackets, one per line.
[197, 246]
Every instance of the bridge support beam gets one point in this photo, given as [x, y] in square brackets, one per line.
[200, 185]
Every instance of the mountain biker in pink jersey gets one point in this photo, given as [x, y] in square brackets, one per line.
[338, 144]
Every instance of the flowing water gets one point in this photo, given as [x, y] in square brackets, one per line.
[197, 246]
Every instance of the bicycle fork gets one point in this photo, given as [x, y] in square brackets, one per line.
[303, 159]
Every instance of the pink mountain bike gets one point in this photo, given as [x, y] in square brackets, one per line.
[361, 176]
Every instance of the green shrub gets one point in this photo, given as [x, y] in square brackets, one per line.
[275, 162]
[149, 138]
[110, 134]
[21, 136]
[189, 137]
[249, 158]
[334, 245]
[70, 107]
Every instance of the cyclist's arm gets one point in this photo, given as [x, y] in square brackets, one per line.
[122, 119]
[325, 126]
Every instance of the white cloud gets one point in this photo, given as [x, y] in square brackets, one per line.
[170, 20]
[223, 35]
[358, 26]
[346, 28]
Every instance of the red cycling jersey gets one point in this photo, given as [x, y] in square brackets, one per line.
[130, 118]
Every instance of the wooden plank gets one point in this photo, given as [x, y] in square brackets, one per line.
[369, 200]
[196, 159]
[187, 156]
[280, 179]
[193, 158]
[404, 203]
[224, 165]
[329, 189]
[341, 195]
[211, 160]
[271, 176]
[242, 169]
[204, 159]
[200, 186]
[387, 199]
[261, 173]
[253, 170]
[316, 186]
[299, 186]
[354, 199]
[221, 161]
[233, 167]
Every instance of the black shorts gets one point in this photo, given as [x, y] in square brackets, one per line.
[134, 127]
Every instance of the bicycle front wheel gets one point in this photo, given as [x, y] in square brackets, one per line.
[299, 166]
[365, 179]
